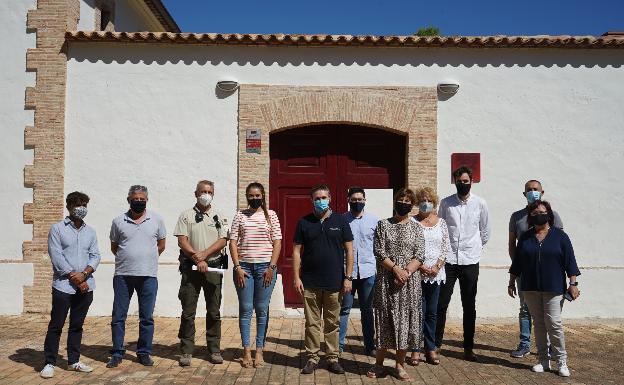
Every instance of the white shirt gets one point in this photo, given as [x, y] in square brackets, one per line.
[468, 226]
[437, 245]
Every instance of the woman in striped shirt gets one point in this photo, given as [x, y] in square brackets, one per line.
[255, 244]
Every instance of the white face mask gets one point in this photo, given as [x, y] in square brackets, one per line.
[204, 199]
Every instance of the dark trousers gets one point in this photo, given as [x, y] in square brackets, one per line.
[77, 305]
[468, 276]
[191, 284]
[124, 286]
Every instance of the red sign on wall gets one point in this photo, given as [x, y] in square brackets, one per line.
[470, 159]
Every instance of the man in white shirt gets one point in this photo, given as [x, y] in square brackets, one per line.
[466, 216]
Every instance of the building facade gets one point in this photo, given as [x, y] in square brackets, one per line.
[113, 108]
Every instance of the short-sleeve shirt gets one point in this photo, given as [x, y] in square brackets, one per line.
[137, 254]
[518, 222]
[255, 235]
[202, 234]
[322, 261]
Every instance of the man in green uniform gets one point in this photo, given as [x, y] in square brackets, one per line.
[202, 234]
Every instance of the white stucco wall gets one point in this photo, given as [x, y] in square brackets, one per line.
[152, 117]
[13, 157]
[130, 16]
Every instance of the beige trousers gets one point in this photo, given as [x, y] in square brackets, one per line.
[545, 308]
[319, 304]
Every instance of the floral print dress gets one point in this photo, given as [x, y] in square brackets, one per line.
[398, 308]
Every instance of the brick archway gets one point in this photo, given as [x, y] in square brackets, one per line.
[408, 110]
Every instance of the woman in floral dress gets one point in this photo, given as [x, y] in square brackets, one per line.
[399, 247]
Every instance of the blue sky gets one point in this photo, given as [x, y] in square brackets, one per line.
[400, 17]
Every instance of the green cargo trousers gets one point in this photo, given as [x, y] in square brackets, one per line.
[190, 285]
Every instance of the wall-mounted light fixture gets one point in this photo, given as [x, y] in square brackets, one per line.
[227, 85]
[448, 87]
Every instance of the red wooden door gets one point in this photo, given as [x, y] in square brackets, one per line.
[339, 156]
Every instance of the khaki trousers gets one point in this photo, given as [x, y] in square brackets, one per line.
[319, 303]
[545, 308]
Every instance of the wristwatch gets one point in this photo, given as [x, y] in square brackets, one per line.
[575, 283]
[236, 267]
[349, 278]
[273, 267]
[86, 275]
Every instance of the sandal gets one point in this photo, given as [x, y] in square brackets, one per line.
[246, 364]
[258, 364]
[376, 371]
[413, 361]
[401, 374]
[432, 358]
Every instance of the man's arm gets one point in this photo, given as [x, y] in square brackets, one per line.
[161, 245]
[55, 250]
[347, 284]
[114, 248]
[511, 246]
[200, 256]
[185, 245]
[94, 256]
[296, 259]
[484, 223]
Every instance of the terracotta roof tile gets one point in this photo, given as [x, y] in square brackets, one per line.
[615, 41]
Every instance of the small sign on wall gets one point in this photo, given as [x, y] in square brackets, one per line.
[253, 143]
[470, 159]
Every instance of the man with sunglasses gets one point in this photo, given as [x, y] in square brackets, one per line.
[202, 234]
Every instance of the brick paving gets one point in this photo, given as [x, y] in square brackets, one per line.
[595, 349]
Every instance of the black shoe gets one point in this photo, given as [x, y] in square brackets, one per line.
[309, 368]
[470, 356]
[145, 360]
[114, 362]
[372, 353]
[335, 367]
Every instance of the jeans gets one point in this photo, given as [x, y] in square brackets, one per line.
[61, 304]
[365, 289]
[546, 311]
[524, 319]
[468, 276]
[254, 296]
[430, 295]
[123, 288]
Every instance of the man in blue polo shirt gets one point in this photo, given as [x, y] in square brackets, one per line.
[320, 276]
[137, 239]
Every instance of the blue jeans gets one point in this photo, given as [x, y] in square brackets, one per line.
[430, 295]
[254, 296]
[123, 288]
[524, 319]
[364, 288]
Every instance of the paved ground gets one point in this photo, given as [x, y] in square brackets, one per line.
[595, 349]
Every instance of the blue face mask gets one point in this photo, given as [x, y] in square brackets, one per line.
[425, 207]
[321, 205]
[533, 196]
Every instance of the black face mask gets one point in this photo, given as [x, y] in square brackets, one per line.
[539, 219]
[254, 203]
[138, 206]
[463, 188]
[402, 208]
[356, 207]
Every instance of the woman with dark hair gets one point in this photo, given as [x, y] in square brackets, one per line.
[399, 247]
[255, 244]
[544, 256]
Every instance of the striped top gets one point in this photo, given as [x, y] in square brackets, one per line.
[254, 235]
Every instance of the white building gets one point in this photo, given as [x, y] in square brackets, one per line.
[113, 109]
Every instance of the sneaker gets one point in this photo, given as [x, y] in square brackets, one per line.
[185, 359]
[215, 358]
[563, 369]
[80, 367]
[114, 362]
[541, 367]
[47, 371]
[521, 351]
[145, 360]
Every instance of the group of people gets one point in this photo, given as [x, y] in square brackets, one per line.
[403, 270]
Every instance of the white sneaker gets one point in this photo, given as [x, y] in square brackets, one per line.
[80, 367]
[563, 369]
[47, 371]
[541, 367]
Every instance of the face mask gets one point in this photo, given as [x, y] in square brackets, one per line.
[321, 205]
[533, 196]
[356, 207]
[138, 206]
[254, 203]
[79, 212]
[204, 199]
[402, 208]
[539, 219]
[463, 188]
[425, 207]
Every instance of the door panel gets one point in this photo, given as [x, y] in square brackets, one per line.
[340, 156]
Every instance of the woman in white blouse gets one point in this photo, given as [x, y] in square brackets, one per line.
[437, 246]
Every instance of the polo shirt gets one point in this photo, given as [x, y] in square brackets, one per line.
[322, 260]
[543, 266]
[137, 254]
[202, 234]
